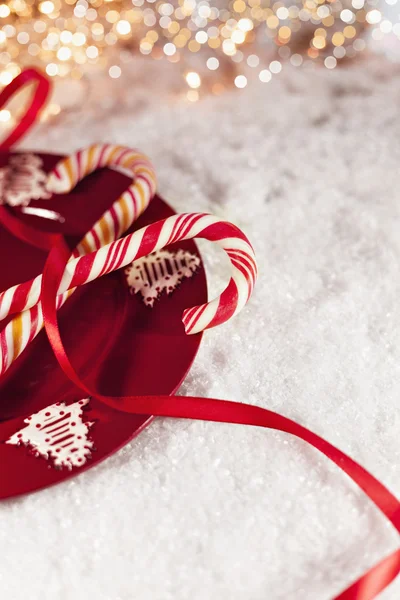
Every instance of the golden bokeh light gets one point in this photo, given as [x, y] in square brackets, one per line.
[67, 37]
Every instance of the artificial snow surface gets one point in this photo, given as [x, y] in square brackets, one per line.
[308, 166]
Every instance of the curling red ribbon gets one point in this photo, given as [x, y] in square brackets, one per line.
[40, 95]
[38, 101]
[206, 409]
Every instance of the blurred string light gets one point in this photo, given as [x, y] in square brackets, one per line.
[66, 37]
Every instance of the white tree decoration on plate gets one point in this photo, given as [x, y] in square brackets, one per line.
[162, 270]
[58, 434]
[23, 180]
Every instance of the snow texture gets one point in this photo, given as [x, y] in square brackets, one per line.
[308, 166]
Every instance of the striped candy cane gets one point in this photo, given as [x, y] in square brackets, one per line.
[141, 243]
[114, 222]
[127, 208]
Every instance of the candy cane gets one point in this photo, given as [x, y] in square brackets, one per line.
[115, 221]
[127, 208]
[141, 243]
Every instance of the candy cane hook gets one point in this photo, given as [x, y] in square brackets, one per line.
[68, 172]
[133, 202]
[169, 231]
[141, 243]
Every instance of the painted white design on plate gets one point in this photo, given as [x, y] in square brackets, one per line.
[162, 270]
[58, 434]
[23, 180]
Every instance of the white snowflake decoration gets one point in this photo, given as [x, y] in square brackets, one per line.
[58, 434]
[23, 180]
[162, 270]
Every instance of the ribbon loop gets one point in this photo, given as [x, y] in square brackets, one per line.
[39, 98]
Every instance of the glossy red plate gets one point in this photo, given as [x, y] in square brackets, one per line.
[115, 342]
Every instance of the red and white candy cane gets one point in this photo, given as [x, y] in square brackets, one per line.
[141, 243]
[68, 172]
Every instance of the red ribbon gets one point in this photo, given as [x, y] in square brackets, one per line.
[38, 101]
[373, 581]
[41, 93]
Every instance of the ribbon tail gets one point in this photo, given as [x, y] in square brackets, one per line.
[372, 583]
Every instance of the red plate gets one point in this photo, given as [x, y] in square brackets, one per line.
[114, 341]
